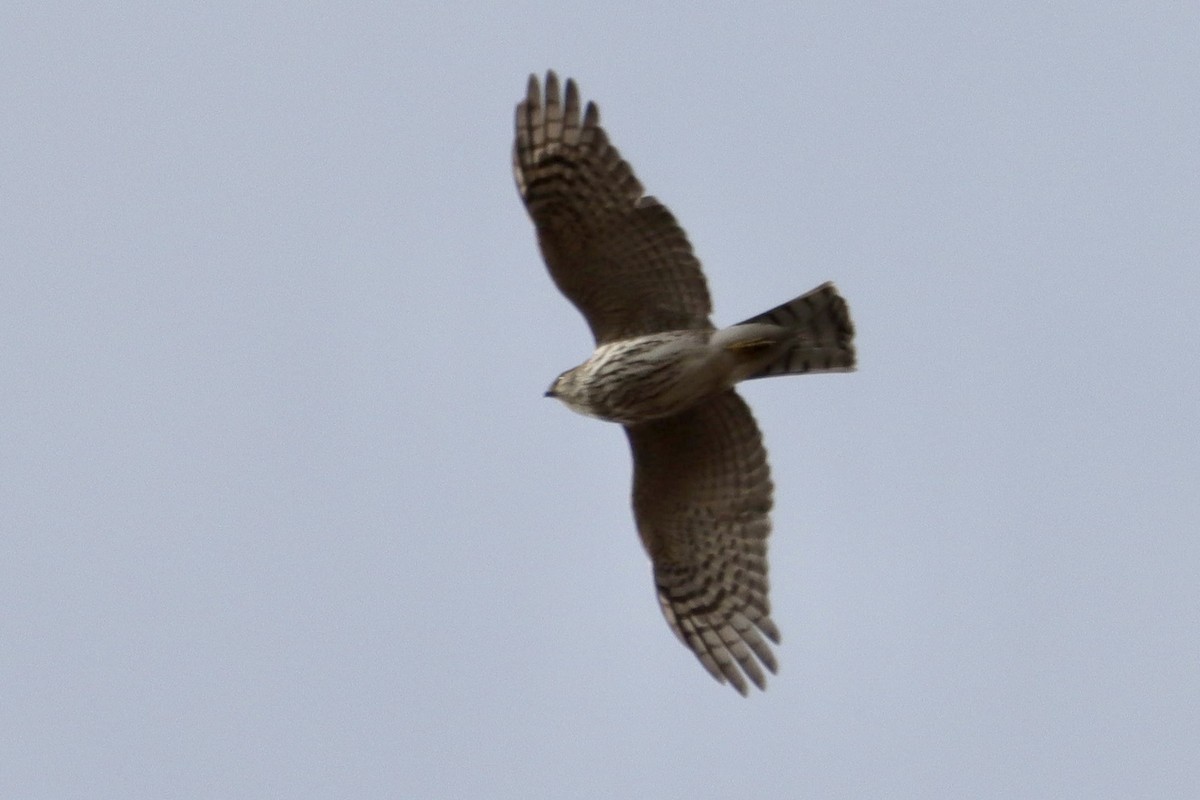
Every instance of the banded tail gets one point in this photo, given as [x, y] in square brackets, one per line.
[823, 335]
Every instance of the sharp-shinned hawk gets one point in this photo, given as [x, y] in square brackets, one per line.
[701, 484]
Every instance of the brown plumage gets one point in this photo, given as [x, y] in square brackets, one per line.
[702, 487]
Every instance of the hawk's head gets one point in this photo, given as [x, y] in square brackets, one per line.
[568, 389]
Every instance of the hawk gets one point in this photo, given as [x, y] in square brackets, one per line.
[701, 485]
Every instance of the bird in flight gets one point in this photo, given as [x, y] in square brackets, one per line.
[702, 489]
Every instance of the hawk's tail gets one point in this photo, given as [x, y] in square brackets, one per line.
[822, 334]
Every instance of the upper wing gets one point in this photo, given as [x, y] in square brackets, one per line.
[619, 256]
[702, 495]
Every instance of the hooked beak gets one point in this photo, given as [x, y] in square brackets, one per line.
[550, 392]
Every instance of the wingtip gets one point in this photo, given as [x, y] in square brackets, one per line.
[572, 96]
[565, 91]
[591, 115]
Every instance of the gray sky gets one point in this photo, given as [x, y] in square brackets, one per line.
[283, 512]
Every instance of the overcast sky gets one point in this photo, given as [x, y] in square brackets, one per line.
[283, 512]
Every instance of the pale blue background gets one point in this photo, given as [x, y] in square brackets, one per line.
[283, 512]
